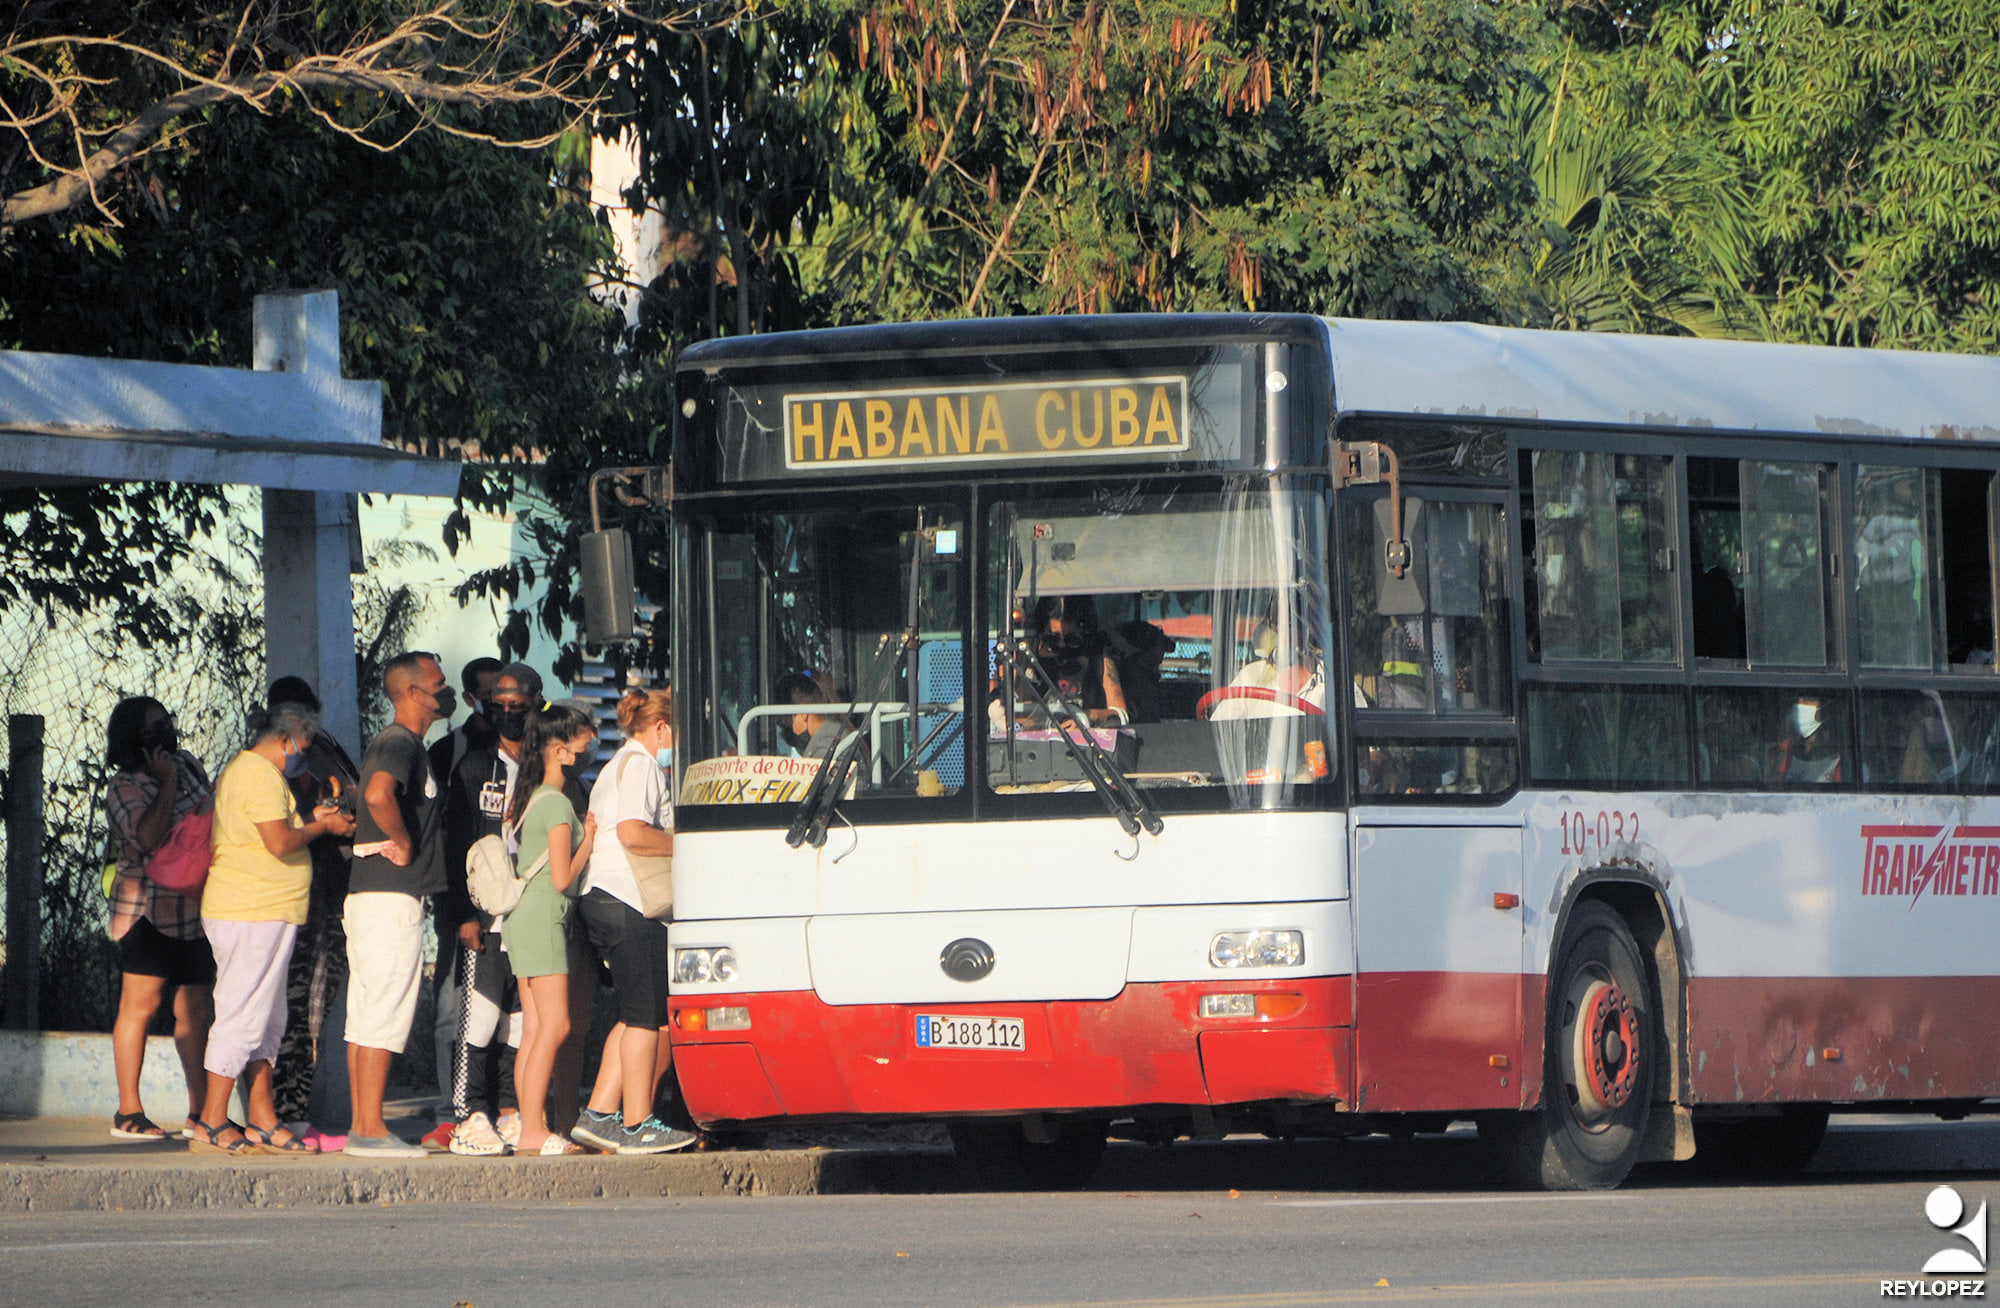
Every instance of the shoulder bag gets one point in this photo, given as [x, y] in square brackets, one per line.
[654, 873]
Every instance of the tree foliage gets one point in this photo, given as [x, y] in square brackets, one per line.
[462, 273]
[854, 160]
[91, 88]
[1863, 134]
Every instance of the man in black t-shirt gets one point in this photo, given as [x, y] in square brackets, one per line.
[398, 861]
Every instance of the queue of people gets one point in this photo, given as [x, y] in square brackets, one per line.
[282, 909]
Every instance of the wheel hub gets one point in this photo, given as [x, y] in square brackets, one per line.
[1607, 1048]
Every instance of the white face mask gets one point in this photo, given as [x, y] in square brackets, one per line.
[1805, 719]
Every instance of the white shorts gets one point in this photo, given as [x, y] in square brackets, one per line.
[385, 965]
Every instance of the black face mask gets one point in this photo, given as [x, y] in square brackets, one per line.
[447, 702]
[512, 724]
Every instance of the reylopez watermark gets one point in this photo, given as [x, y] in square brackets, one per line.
[1946, 1211]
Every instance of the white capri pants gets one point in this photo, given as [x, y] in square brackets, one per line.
[251, 963]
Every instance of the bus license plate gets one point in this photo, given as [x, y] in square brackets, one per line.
[1004, 1034]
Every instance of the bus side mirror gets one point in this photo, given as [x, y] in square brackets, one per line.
[606, 561]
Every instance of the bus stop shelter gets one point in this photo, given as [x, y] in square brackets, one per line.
[292, 426]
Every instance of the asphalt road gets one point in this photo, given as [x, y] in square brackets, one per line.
[1231, 1224]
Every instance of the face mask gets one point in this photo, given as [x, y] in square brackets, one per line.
[295, 764]
[512, 724]
[1805, 718]
[664, 756]
[447, 702]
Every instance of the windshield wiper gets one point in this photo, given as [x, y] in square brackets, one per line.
[1099, 768]
[810, 818]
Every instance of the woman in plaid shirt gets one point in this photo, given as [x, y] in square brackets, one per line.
[160, 943]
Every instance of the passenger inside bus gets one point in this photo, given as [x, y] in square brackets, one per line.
[1809, 753]
[813, 734]
[1138, 648]
[1076, 653]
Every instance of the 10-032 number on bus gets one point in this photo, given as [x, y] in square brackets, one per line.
[1581, 832]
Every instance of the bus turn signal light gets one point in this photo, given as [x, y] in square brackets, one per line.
[1503, 900]
[735, 1018]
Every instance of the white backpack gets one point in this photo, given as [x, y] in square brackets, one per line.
[490, 877]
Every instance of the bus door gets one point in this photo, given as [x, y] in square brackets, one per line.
[1438, 1011]
[1437, 870]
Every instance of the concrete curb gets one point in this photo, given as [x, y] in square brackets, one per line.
[216, 1183]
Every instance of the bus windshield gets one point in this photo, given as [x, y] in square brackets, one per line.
[1188, 626]
[1188, 629]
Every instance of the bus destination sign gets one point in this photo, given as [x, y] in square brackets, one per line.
[1021, 422]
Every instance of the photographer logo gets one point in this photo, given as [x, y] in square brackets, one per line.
[1946, 1211]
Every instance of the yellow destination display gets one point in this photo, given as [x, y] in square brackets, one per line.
[1012, 423]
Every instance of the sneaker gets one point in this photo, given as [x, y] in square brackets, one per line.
[439, 1138]
[604, 1131]
[653, 1136]
[509, 1128]
[386, 1146]
[476, 1138]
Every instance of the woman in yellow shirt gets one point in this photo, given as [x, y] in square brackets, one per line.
[259, 882]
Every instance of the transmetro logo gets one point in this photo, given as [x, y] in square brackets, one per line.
[1913, 861]
[1946, 1211]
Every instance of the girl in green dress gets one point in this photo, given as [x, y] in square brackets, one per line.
[545, 822]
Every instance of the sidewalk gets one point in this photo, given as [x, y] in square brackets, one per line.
[70, 1163]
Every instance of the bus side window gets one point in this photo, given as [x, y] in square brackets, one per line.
[1602, 576]
[1895, 566]
[1433, 639]
[1966, 497]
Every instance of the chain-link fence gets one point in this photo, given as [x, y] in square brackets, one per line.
[71, 670]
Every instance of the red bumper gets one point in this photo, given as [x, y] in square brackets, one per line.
[805, 1058]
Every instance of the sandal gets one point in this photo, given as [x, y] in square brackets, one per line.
[208, 1140]
[135, 1127]
[557, 1147]
[266, 1142]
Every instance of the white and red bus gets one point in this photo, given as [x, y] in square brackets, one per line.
[1593, 737]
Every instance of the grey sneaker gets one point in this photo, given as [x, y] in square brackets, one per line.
[604, 1131]
[653, 1136]
[387, 1146]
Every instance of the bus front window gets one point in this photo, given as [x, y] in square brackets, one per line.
[806, 616]
[1188, 630]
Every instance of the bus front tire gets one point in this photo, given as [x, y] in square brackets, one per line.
[999, 1153]
[1601, 1054]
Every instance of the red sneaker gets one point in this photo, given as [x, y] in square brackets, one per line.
[439, 1140]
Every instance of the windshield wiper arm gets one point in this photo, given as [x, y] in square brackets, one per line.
[809, 820]
[1099, 768]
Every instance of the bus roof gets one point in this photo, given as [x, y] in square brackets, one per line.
[1466, 370]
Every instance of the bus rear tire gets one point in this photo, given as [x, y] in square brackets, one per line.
[1000, 1153]
[1602, 1049]
[1761, 1146]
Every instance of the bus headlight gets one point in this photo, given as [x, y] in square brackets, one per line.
[714, 963]
[1257, 949]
